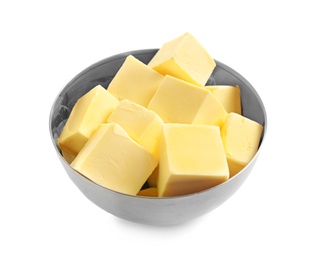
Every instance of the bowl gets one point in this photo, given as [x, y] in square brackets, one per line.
[148, 210]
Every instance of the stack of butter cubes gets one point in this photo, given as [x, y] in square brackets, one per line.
[157, 130]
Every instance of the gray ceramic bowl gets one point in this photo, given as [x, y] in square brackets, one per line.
[153, 211]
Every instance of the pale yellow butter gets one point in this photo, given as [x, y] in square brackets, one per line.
[177, 101]
[135, 81]
[192, 159]
[88, 113]
[241, 137]
[142, 124]
[184, 58]
[114, 160]
[228, 96]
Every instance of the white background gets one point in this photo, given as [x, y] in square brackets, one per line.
[280, 47]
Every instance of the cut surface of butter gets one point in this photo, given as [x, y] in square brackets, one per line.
[177, 101]
[192, 159]
[135, 81]
[114, 160]
[241, 137]
[88, 113]
[142, 124]
[228, 96]
[184, 58]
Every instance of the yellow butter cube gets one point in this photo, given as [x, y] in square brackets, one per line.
[142, 124]
[229, 97]
[192, 159]
[241, 137]
[184, 58]
[88, 113]
[114, 160]
[135, 81]
[177, 101]
[148, 192]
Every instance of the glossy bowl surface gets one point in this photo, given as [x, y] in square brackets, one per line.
[153, 211]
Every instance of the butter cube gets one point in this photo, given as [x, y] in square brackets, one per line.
[184, 58]
[114, 160]
[241, 137]
[229, 97]
[148, 192]
[177, 101]
[143, 125]
[88, 113]
[192, 159]
[135, 81]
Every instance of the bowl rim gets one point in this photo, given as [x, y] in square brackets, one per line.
[148, 51]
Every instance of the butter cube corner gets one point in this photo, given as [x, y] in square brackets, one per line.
[114, 160]
[228, 96]
[135, 81]
[142, 124]
[185, 58]
[178, 101]
[87, 114]
[241, 137]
